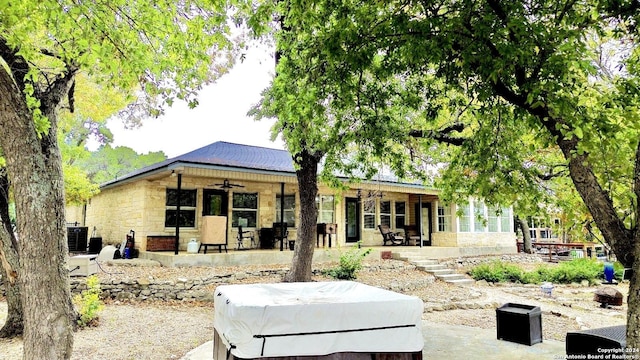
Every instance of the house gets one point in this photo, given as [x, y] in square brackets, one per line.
[250, 187]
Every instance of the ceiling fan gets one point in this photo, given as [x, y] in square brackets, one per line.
[227, 185]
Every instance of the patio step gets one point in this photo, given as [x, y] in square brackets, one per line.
[441, 272]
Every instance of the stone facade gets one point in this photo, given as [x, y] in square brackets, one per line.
[139, 204]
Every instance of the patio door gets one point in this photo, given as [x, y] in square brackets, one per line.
[215, 202]
[423, 217]
[352, 220]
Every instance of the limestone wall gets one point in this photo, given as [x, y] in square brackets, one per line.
[202, 289]
[113, 213]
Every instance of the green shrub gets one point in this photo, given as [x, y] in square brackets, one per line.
[618, 270]
[568, 272]
[88, 303]
[349, 264]
[497, 271]
[576, 271]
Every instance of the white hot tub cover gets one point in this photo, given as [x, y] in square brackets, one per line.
[316, 318]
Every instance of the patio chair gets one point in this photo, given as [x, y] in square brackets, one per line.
[245, 235]
[411, 235]
[279, 234]
[390, 237]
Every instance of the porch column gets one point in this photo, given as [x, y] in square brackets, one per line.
[179, 195]
[420, 217]
[282, 216]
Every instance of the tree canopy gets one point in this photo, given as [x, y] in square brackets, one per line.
[504, 94]
[153, 52]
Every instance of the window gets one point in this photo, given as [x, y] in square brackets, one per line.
[245, 210]
[324, 204]
[385, 213]
[478, 216]
[369, 214]
[215, 202]
[289, 210]
[505, 220]
[444, 218]
[464, 218]
[493, 219]
[187, 208]
[400, 214]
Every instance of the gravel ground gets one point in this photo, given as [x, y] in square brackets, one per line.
[168, 330]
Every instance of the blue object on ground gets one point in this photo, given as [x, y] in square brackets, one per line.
[608, 272]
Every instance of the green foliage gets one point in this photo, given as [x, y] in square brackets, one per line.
[88, 304]
[78, 188]
[349, 263]
[530, 95]
[573, 271]
[107, 163]
[497, 271]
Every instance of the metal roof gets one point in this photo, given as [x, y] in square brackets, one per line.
[223, 154]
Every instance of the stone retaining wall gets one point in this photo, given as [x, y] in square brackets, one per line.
[184, 289]
[469, 262]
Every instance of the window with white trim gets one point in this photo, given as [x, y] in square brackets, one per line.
[492, 222]
[245, 210]
[401, 207]
[369, 210]
[385, 213]
[505, 219]
[478, 216]
[444, 218]
[326, 209]
[289, 209]
[464, 219]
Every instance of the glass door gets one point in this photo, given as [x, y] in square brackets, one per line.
[352, 220]
[423, 217]
[215, 202]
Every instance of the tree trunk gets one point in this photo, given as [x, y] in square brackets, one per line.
[633, 304]
[526, 235]
[35, 170]
[307, 175]
[13, 325]
[623, 241]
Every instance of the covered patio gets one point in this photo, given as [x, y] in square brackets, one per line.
[275, 256]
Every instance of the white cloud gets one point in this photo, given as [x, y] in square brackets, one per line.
[220, 116]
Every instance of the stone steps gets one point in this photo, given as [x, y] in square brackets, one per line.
[441, 272]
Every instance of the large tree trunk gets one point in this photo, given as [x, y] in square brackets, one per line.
[36, 174]
[307, 175]
[526, 235]
[623, 241]
[13, 325]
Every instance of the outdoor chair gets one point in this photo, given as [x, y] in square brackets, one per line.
[280, 234]
[411, 235]
[390, 237]
[245, 235]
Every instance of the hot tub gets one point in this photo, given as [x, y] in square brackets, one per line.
[314, 319]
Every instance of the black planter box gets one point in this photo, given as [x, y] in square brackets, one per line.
[519, 323]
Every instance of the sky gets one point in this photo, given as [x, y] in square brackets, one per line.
[220, 116]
